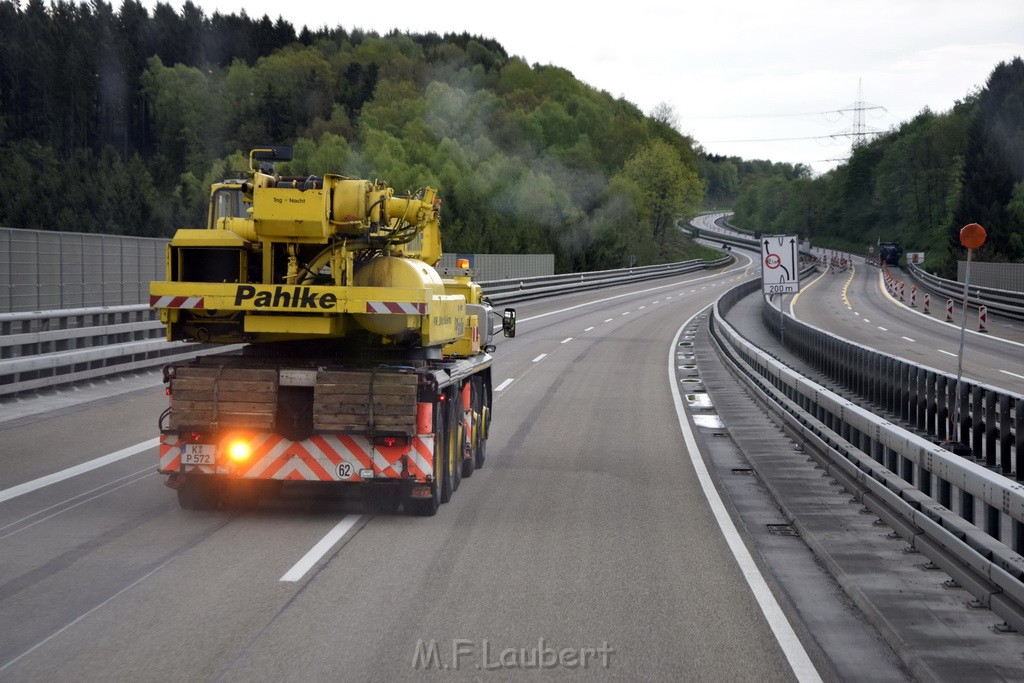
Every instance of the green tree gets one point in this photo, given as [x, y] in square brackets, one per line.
[669, 188]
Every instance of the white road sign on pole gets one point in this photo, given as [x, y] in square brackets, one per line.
[779, 264]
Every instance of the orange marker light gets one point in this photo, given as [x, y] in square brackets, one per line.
[462, 263]
[239, 450]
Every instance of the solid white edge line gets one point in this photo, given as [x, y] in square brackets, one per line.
[321, 548]
[792, 648]
[35, 484]
[504, 384]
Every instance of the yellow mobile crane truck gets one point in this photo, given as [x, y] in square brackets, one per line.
[357, 363]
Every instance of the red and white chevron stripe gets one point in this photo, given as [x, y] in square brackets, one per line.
[176, 302]
[400, 307]
[322, 457]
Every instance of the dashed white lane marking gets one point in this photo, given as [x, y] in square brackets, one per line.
[566, 340]
[540, 358]
[912, 341]
[321, 548]
[35, 484]
[948, 353]
[504, 384]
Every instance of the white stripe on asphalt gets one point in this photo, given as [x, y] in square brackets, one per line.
[36, 484]
[321, 548]
[504, 384]
[791, 646]
[540, 358]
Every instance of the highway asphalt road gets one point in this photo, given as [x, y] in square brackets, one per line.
[587, 537]
[855, 305]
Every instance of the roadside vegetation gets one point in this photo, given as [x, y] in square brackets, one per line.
[917, 184]
[117, 120]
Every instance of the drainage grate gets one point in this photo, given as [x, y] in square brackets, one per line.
[782, 530]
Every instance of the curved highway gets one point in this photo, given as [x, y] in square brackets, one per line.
[607, 536]
[855, 305]
[588, 534]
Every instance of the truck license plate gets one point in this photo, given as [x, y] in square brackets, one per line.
[198, 454]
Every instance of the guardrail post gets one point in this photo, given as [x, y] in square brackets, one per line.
[904, 390]
[1005, 438]
[963, 402]
[922, 399]
[1018, 429]
[977, 422]
[912, 384]
[942, 403]
[931, 404]
[991, 429]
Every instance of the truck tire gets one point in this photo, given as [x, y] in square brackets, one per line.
[448, 484]
[469, 464]
[481, 453]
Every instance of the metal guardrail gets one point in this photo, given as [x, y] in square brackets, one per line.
[985, 422]
[1001, 301]
[965, 517]
[513, 290]
[47, 348]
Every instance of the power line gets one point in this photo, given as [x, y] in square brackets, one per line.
[859, 131]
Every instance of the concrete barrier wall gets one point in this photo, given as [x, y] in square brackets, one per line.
[42, 270]
[1008, 276]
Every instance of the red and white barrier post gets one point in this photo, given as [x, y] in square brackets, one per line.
[927, 303]
[949, 310]
[902, 291]
[982, 318]
[913, 296]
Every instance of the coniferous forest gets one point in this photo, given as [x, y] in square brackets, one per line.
[116, 120]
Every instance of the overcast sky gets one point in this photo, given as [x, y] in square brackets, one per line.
[742, 75]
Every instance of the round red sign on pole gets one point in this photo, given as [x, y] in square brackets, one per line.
[972, 236]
